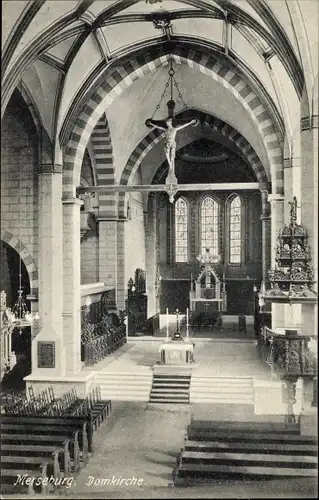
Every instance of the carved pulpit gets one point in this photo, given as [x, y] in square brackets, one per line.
[208, 293]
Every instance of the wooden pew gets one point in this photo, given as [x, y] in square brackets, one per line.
[71, 427]
[13, 447]
[27, 435]
[36, 471]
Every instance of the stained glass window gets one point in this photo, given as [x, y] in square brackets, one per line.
[181, 231]
[209, 225]
[235, 231]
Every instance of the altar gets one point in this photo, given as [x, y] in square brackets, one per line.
[177, 351]
[208, 297]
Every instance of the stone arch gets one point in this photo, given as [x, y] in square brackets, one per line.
[27, 259]
[101, 145]
[144, 63]
[223, 128]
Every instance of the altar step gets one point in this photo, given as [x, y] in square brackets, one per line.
[250, 451]
[173, 389]
[228, 390]
[125, 386]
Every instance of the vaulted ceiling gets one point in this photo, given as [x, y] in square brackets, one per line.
[57, 52]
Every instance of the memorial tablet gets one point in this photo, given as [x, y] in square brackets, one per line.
[46, 354]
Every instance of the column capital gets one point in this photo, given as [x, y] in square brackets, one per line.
[72, 201]
[49, 168]
[276, 197]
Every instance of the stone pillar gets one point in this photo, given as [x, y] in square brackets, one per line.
[50, 300]
[309, 208]
[108, 251]
[150, 248]
[277, 222]
[72, 284]
[266, 236]
[121, 283]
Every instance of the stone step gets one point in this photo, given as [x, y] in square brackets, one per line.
[127, 397]
[219, 399]
[171, 386]
[269, 448]
[169, 401]
[122, 385]
[216, 383]
[169, 390]
[221, 390]
[207, 470]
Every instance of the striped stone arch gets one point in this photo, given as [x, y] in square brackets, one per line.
[215, 124]
[27, 259]
[144, 63]
[103, 153]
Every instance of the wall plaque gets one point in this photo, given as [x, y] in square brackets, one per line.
[46, 354]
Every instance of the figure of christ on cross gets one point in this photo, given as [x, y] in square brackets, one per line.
[171, 126]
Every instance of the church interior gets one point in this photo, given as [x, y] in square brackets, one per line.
[159, 248]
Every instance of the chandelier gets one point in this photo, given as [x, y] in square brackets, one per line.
[19, 316]
[170, 126]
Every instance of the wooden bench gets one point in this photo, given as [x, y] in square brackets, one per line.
[36, 470]
[29, 435]
[230, 426]
[53, 426]
[210, 435]
[13, 447]
[238, 446]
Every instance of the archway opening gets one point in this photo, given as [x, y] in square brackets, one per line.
[20, 352]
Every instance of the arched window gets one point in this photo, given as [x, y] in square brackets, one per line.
[181, 230]
[209, 225]
[235, 231]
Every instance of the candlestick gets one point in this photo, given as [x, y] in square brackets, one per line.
[126, 327]
[187, 323]
[167, 323]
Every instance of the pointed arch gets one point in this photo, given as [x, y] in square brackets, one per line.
[143, 64]
[102, 150]
[27, 259]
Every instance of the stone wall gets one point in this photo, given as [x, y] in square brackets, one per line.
[19, 183]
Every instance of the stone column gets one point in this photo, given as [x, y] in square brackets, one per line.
[277, 222]
[108, 251]
[121, 283]
[150, 248]
[309, 209]
[50, 274]
[72, 284]
[266, 236]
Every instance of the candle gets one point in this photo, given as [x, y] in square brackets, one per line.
[167, 322]
[224, 277]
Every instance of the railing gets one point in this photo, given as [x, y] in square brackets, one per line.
[287, 355]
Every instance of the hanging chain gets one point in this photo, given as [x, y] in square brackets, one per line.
[162, 97]
[179, 93]
[170, 82]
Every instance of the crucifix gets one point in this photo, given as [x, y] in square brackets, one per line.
[171, 125]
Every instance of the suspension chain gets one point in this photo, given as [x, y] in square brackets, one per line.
[162, 97]
[171, 80]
